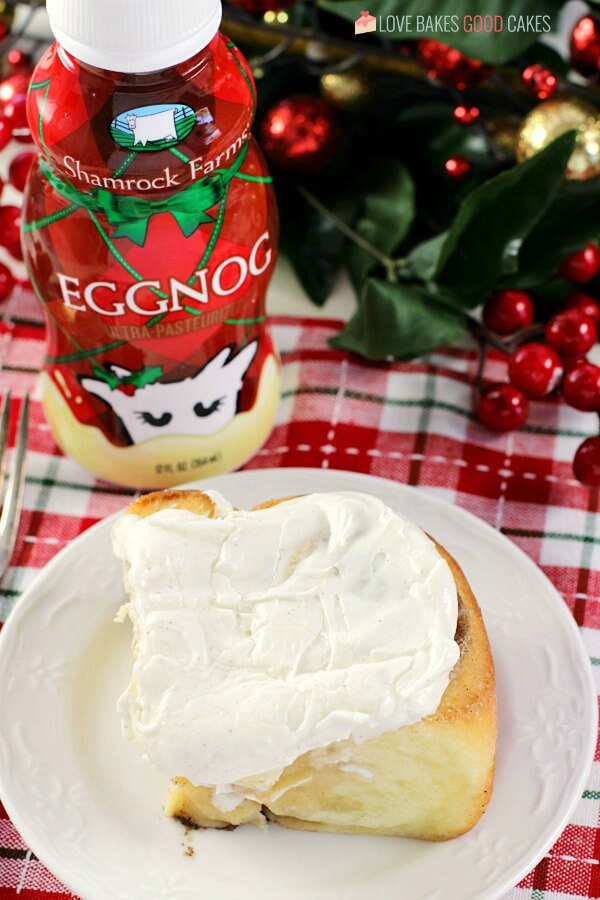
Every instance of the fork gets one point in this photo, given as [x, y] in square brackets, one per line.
[11, 485]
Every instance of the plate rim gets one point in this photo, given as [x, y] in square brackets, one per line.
[69, 875]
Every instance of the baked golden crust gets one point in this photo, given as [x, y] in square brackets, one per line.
[432, 780]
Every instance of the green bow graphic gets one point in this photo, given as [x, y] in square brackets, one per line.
[131, 215]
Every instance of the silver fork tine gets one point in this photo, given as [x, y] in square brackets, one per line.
[11, 511]
[4, 418]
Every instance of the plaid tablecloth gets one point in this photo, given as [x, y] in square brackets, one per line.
[412, 423]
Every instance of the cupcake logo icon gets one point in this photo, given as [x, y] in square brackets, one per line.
[365, 23]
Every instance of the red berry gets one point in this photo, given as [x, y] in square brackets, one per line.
[571, 333]
[457, 166]
[466, 115]
[5, 131]
[586, 464]
[507, 311]
[585, 303]
[582, 265]
[502, 407]
[7, 282]
[540, 81]
[10, 230]
[581, 387]
[571, 362]
[19, 170]
[535, 369]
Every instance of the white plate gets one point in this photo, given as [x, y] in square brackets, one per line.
[91, 809]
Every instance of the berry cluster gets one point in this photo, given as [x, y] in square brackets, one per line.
[537, 369]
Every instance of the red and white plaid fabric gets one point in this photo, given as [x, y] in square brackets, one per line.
[412, 423]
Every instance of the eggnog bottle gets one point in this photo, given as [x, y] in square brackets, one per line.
[150, 234]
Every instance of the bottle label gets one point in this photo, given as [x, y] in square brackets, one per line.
[153, 128]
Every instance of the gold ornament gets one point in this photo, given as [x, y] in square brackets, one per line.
[345, 90]
[503, 130]
[555, 117]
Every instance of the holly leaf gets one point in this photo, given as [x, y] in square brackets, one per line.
[313, 244]
[415, 19]
[578, 204]
[388, 210]
[425, 257]
[546, 56]
[147, 375]
[399, 321]
[495, 216]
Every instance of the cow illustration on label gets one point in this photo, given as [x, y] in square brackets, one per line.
[209, 398]
[158, 127]
[153, 128]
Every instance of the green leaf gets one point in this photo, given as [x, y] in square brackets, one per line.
[313, 244]
[147, 375]
[493, 47]
[570, 222]
[400, 321]
[424, 258]
[496, 215]
[546, 56]
[388, 210]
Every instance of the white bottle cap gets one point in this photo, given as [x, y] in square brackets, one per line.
[134, 35]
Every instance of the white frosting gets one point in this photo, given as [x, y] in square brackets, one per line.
[225, 798]
[357, 770]
[262, 635]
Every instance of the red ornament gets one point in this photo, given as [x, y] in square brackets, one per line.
[7, 282]
[19, 170]
[507, 311]
[502, 407]
[586, 464]
[300, 134]
[571, 333]
[449, 65]
[466, 115]
[5, 131]
[4, 29]
[19, 61]
[10, 230]
[540, 81]
[457, 166]
[581, 387]
[585, 303]
[15, 112]
[535, 369]
[582, 265]
[14, 86]
[585, 46]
